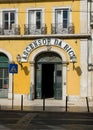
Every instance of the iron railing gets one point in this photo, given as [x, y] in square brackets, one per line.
[59, 28]
[30, 29]
[15, 30]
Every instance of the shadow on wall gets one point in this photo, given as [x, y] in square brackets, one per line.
[26, 71]
[78, 70]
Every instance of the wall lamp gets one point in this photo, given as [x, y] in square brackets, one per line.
[18, 57]
[73, 60]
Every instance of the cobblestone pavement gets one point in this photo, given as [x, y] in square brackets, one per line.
[26, 120]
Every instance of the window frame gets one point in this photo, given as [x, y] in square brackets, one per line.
[8, 10]
[34, 9]
[3, 78]
[61, 8]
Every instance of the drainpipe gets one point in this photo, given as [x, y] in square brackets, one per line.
[89, 59]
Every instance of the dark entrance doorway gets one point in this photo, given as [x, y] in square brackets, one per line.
[47, 80]
[48, 76]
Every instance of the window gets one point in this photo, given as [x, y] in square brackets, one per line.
[35, 18]
[62, 21]
[4, 78]
[9, 22]
[4, 75]
[35, 22]
[8, 19]
[62, 17]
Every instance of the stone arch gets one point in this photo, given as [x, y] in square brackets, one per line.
[64, 61]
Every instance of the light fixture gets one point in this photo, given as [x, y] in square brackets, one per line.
[18, 57]
[73, 60]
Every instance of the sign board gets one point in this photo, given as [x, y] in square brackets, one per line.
[13, 68]
[48, 42]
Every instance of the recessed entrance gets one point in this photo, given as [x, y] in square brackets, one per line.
[48, 76]
[47, 80]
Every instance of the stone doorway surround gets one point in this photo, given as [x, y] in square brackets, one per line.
[55, 50]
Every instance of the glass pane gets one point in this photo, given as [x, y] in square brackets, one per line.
[5, 20]
[6, 16]
[30, 18]
[5, 25]
[65, 18]
[1, 73]
[38, 16]
[65, 14]
[5, 73]
[58, 16]
[38, 24]
[11, 22]
[12, 19]
[48, 57]
[3, 58]
[65, 23]
[12, 16]
[38, 20]
[1, 83]
[5, 85]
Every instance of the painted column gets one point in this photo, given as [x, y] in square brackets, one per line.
[83, 65]
[10, 87]
[32, 86]
[64, 79]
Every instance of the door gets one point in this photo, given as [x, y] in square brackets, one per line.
[58, 81]
[38, 90]
[48, 76]
[49, 81]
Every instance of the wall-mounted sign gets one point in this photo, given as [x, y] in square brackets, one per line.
[45, 42]
[13, 68]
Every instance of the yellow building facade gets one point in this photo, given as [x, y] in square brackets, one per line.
[44, 39]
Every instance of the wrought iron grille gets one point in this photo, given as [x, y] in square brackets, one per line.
[31, 29]
[15, 30]
[59, 28]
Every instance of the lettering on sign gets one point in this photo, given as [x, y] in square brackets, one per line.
[45, 42]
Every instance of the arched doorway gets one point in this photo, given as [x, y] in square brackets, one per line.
[4, 76]
[48, 75]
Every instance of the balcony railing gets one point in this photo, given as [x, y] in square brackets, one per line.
[15, 30]
[32, 30]
[59, 28]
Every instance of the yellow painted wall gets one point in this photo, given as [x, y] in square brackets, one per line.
[14, 47]
[74, 70]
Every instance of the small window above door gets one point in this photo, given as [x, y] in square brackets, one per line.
[49, 57]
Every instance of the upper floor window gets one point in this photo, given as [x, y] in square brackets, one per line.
[35, 24]
[35, 18]
[62, 17]
[8, 19]
[9, 22]
[62, 21]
